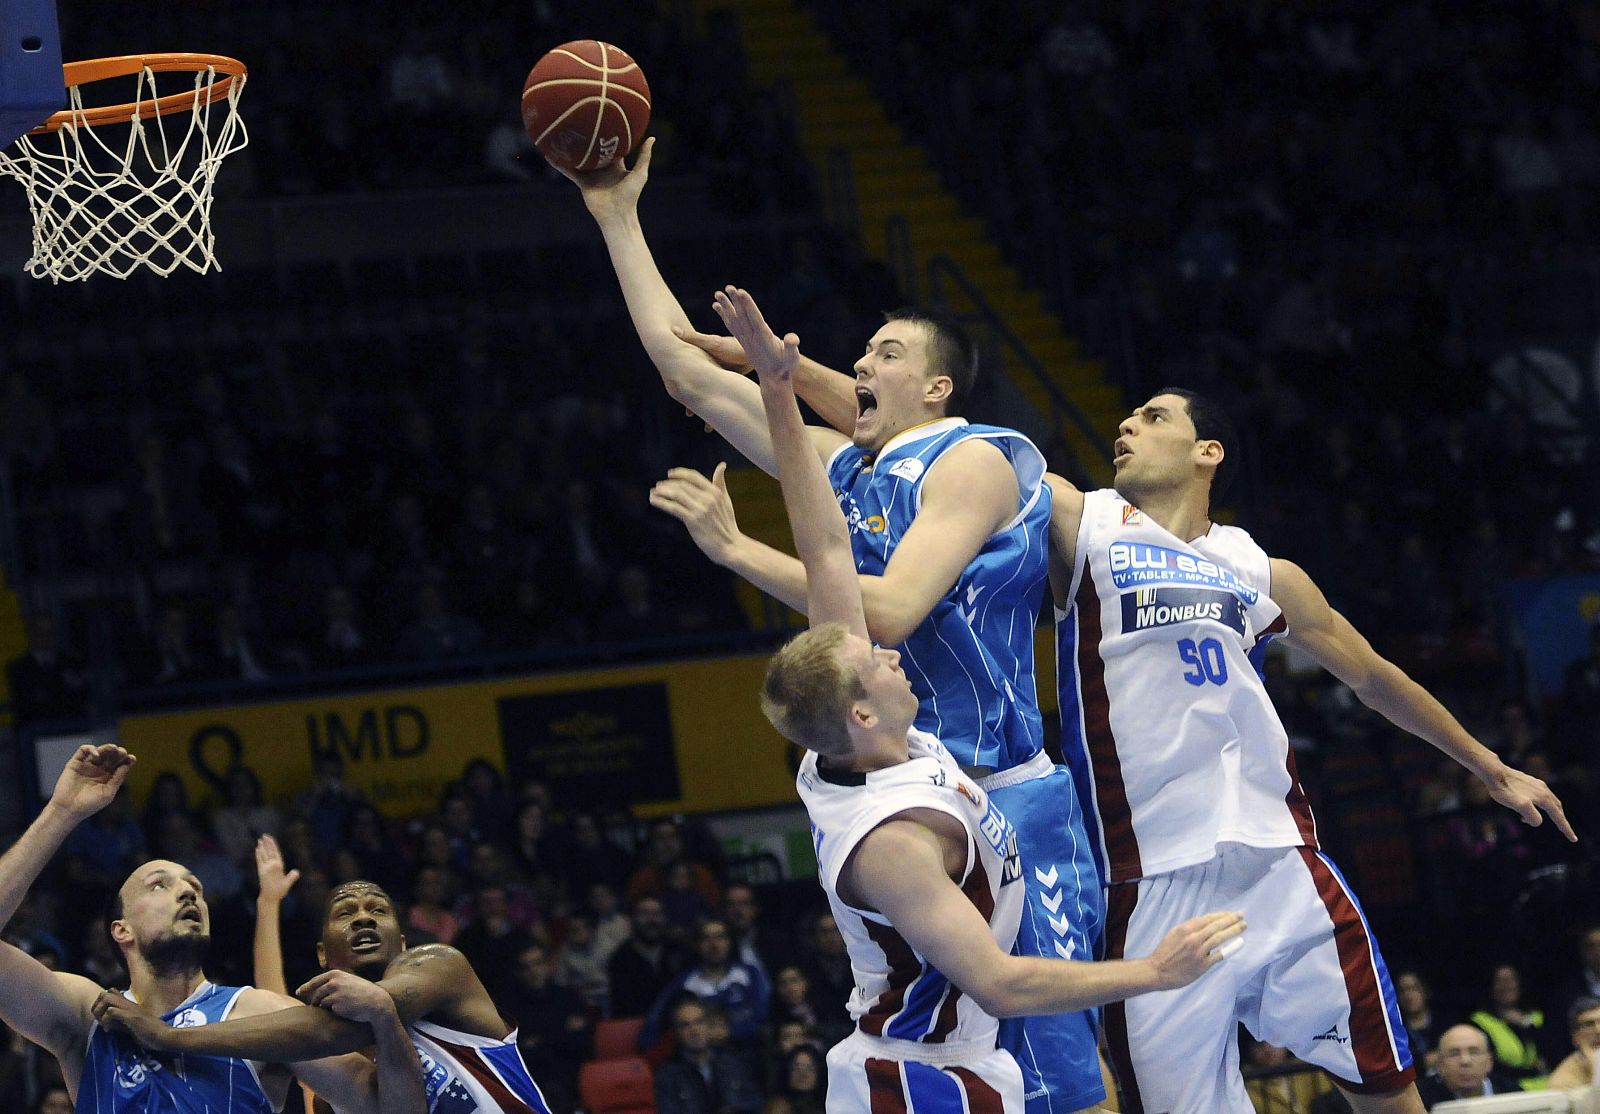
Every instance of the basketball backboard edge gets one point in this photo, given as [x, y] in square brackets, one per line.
[31, 82]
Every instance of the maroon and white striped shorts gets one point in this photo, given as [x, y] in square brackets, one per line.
[1309, 978]
[872, 1075]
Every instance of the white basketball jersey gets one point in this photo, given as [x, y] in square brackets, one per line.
[467, 1074]
[1165, 720]
[898, 994]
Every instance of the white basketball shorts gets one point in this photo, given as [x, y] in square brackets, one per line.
[1308, 978]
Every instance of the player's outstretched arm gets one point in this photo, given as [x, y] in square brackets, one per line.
[390, 1083]
[275, 884]
[91, 779]
[832, 394]
[821, 536]
[421, 980]
[901, 870]
[1338, 647]
[725, 399]
[958, 514]
[49, 1008]
[971, 493]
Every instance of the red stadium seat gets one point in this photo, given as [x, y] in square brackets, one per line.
[617, 1038]
[617, 1087]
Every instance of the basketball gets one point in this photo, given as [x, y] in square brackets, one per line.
[585, 103]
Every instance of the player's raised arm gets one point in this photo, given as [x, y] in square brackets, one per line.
[274, 885]
[725, 399]
[821, 536]
[832, 394]
[1338, 647]
[49, 1008]
[900, 870]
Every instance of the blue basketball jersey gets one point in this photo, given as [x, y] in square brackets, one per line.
[122, 1077]
[970, 662]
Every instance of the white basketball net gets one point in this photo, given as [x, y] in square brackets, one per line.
[100, 209]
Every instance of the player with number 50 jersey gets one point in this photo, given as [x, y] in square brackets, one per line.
[1173, 742]
[1188, 781]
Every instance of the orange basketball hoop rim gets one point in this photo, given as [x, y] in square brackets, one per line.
[230, 71]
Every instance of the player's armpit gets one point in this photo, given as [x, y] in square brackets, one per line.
[969, 494]
[1319, 630]
[1066, 516]
[50, 1008]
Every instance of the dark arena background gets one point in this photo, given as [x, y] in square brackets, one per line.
[348, 541]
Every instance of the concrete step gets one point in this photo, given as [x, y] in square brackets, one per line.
[922, 207]
[1017, 299]
[803, 63]
[908, 183]
[833, 89]
[898, 158]
[1058, 351]
[843, 114]
[855, 137]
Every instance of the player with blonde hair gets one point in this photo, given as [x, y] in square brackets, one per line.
[920, 867]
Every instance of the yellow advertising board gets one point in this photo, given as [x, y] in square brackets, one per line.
[685, 736]
[678, 737]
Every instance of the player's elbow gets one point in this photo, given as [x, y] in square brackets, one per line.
[889, 622]
[666, 352]
[997, 995]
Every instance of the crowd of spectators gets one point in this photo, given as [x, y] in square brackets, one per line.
[1334, 218]
[571, 917]
[344, 465]
[1327, 217]
[568, 917]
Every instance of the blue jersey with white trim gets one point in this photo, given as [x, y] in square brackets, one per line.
[970, 662]
[120, 1076]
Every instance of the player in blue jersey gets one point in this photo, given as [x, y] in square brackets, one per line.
[949, 523]
[162, 927]
[470, 1060]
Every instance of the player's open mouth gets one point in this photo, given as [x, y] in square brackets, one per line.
[866, 403]
[366, 940]
[191, 914]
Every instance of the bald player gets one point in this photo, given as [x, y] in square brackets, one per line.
[470, 1060]
[160, 923]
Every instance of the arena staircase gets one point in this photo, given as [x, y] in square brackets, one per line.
[13, 639]
[836, 111]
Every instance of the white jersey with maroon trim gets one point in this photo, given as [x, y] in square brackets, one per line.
[899, 994]
[1173, 742]
[467, 1074]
